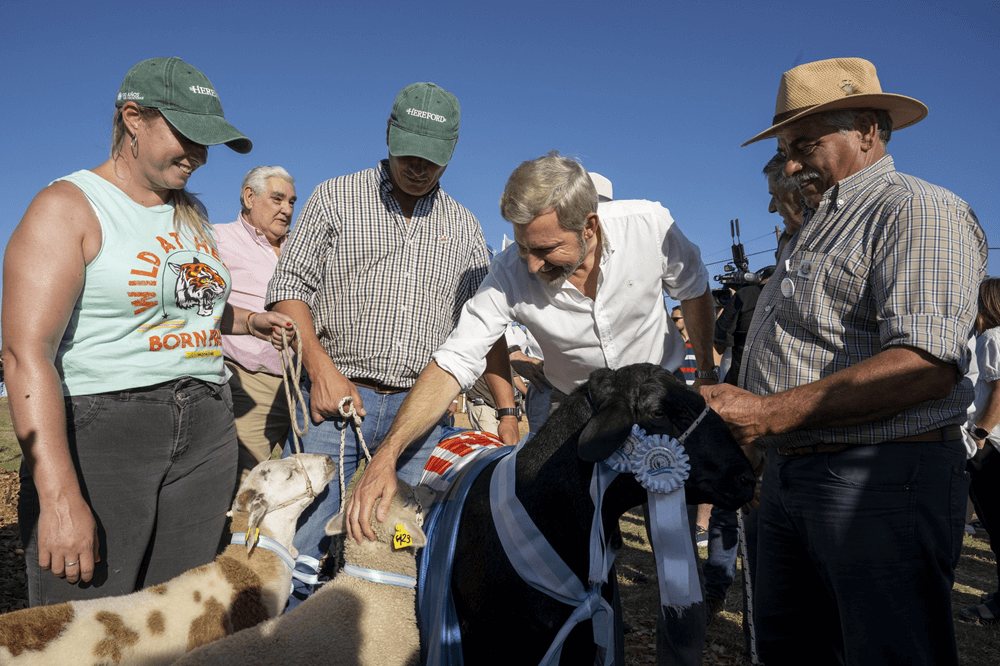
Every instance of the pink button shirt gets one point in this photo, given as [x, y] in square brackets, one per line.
[251, 261]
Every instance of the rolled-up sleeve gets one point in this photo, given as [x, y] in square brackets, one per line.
[483, 320]
[684, 273]
[300, 266]
[924, 283]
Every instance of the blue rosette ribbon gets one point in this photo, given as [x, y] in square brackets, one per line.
[661, 466]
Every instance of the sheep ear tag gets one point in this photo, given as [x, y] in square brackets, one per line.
[402, 538]
[251, 541]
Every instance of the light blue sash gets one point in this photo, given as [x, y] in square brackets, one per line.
[538, 564]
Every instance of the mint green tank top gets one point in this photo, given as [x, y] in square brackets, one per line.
[151, 303]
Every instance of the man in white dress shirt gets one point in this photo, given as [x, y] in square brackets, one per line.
[588, 287]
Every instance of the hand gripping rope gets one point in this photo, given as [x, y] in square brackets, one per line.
[347, 412]
[291, 374]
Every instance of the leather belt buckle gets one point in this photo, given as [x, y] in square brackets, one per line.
[376, 386]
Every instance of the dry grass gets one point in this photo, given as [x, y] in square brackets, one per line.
[978, 645]
[10, 452]
[976, 574]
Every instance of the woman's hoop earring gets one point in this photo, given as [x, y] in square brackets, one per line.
[134, 145]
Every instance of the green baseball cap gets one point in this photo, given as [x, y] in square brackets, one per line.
[424, 123]
[185, 97]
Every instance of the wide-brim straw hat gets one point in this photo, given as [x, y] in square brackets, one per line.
[839, 83]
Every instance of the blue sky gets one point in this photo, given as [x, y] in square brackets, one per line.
[657, 96]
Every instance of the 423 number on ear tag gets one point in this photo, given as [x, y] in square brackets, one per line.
[402, 538]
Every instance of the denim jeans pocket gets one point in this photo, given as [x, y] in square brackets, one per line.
[226, 394]
[876, 467]
[82, 410]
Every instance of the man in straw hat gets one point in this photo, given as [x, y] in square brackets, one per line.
[853, 376]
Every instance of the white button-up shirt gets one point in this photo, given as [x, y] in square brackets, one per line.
[644, 253]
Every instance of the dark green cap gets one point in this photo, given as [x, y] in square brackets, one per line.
[424, 123]
[185, 97]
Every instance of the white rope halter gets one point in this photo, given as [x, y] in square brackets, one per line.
[291, 374]
[346, 409]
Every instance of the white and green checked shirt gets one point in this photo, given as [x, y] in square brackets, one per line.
[383, 293]
[886, 259]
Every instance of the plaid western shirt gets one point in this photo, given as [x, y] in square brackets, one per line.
[886, 259]
[384, 293]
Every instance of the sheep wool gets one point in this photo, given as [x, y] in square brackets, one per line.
[159, 624]
[351, 620]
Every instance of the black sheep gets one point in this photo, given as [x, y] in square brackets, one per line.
[500, 616]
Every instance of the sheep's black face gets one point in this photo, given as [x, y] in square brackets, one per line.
[655, 400]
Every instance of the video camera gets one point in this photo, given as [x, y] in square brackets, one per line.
[738, 273]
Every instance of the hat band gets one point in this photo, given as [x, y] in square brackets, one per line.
[782, 117]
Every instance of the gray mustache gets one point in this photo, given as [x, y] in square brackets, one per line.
[802, 177]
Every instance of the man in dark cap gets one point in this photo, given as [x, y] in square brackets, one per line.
[375, 273]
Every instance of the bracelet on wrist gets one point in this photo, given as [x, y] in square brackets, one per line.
[250, 328]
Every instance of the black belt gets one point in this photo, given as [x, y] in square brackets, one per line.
[940, 435]
[378, 387]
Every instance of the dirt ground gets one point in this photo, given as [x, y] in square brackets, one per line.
[13, 584]
[976, 573]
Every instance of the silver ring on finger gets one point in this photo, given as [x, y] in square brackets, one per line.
[72, 564]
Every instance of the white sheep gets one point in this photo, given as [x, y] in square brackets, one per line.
[242, 587]
[350, 620]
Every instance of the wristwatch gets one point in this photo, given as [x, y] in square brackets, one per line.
[979, 433]
[507, 411]
[707, 374]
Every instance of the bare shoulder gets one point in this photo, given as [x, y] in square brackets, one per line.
[59, 204]
[61, 218]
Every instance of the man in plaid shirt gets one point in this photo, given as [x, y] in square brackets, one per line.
[375, 274]
[853, 376]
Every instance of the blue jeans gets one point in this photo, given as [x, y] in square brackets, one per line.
[723, 542]
[857, 553]
[156, 466]
[310, 538]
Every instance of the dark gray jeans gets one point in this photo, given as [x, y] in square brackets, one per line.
[157, 467]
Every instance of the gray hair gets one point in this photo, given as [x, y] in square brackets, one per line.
[775, 172]
[257, 178]
[844, 120]
[551, 182]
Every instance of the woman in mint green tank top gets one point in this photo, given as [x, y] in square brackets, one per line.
[114, 302]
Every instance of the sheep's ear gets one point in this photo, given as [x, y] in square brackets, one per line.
[599, 386]
[336, 525]
[417, 537]
[605, 432]
[426, 496]
[257, 509]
